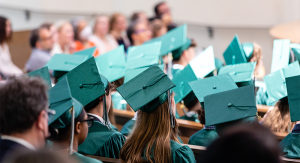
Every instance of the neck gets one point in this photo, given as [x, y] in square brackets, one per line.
[29, 136]
[137, 43]
[62, 45]
[181, 62]
[102, 37]
[98, 110]
[116, 33]
[64, 146]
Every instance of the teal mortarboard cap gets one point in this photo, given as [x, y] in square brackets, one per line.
[62, 102]
[131, 73]
[276, 84]
[172, 40]
[204, 63]
[178, 52]
[42, 73]
[86, 52]
[230, 105]
[248, 50]
[219, 64]
[63, 63]
[234, 53]
[143, 55]
[183, 89]
[281, 54]
[293, 94]
[296, 49]
[112, 64]
[212, 85]
[242, 73]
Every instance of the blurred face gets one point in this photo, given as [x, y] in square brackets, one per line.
[82, 130]
[164, 9]
[141, 34]
[162, 31]
[190, 54]
[54, 33]
[66, 34]
[120, 24]
[8, 29]
[46, 40]
[102, 26]
[81, 25]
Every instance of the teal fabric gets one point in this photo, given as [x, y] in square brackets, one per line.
[262, 97]
[203, 137]
[127, 128]
[84, 159]
[224, 126]
[114, 127]
[175, 71]
[116, 99]
[102, 142]
[290, 145]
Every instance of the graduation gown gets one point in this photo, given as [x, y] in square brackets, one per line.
[116, 99]
[290, 145]
[83, 159]
[102, 142]
[203, 137]
[180, 153]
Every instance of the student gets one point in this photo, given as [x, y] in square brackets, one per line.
[23, 128]
[253, 53]
[154, 138]
[277, 118]
[69, 127]
[117, 28]
[7, 67]
[138, 33]
[93, 91]
[65, 42]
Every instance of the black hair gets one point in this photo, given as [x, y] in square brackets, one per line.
[96, 102]
[34, 37]
[21, 101]
[193, 44]
[46, 25]
[131, 30]
[156, 8]
[191, 104]
[283, 106]
[3, 36]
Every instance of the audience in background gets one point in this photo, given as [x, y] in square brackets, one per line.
[41, 42]
[24, 115]
[158, 28]
[101, 38]
[65, 42]
[163, 12]
[141, 16]
[7, 67]
[117, 29]
[138, 33]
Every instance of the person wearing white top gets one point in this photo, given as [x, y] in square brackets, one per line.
[65, 43]
[7, 67]
[101, 38]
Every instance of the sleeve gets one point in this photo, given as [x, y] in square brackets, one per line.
[184, 155]
[111, 148]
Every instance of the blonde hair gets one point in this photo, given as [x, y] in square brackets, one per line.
[113, 20]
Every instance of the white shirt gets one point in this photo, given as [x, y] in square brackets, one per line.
[100, 118]
[7, 67]
[178, 66]
[19, 141]
[101, 44]
[190, 113]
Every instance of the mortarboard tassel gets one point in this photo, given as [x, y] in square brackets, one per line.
[171, 110]
[72, 131]
[105, 114]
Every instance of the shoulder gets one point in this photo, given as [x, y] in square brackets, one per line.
[85, 159]
[181, 153]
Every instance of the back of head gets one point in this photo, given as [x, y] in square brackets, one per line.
[156, 9]
[3, 36]
[21, 101]
[131, 30]
[244, 143]
[34, 37]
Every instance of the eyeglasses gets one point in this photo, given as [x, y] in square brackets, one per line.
[89, 121]
[51, 114]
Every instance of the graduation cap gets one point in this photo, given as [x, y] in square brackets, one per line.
[219, 64]
[172, 40]
[276, 83]
[112, 64]
[248, 50]
[65, 106]
[230, 105]
[143, 55]
[212, 85]
[292, 86]
[204, 63]
[241, 73]
[63, 63]
[86, 52]
[281, 54]
[131, 73]
[42, 73]
[178, 52]
[234, 53]
[87, 84]
[296, 49]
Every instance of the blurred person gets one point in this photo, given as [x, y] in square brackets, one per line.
[24, 115]
[158, 28]
[42, 156]
[118, 26]
[7, 67]
[141, 16]
[41, 42]
[65, 43]
[52, 29]
[138, 33]
[244, 143]
[163, 12]
[104, 41]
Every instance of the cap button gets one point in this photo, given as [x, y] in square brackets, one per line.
[80, 85]
[144, 87]
[229, 104]
[214, 87]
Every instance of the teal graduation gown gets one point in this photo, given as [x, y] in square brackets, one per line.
[102, 142]
[116, 99]
[203, 137]
[84, 159]
[290, 145]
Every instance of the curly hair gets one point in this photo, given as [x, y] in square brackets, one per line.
[201, 115]
[21, 101]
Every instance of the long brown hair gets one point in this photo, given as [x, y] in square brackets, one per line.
[151, 137]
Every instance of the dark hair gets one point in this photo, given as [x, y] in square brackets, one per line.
[131, 30]
[3, 30]
[156, 8]
[134, 16]
[21, 101]
[34, 37]
[201, 115]
[95, 102]
[244, 143]
[283, 106]
[193, 45]
[63, 134]
[46, 25]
